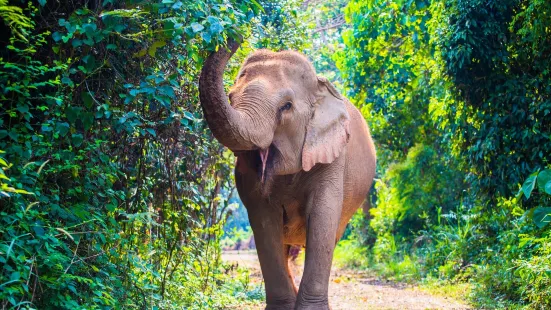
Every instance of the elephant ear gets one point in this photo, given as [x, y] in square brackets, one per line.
[328, 130]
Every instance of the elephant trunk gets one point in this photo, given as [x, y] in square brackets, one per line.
[227, 124]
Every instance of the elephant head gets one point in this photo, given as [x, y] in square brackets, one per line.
[279, 108]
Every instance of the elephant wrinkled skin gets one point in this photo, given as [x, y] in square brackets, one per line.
[305, 163]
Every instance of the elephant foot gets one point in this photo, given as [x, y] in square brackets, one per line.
[313, 305]
[286, 306]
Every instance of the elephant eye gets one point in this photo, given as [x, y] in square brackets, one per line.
[286, 106]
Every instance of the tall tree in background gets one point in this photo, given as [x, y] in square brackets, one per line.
[457, 94]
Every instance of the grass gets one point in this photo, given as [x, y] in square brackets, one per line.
[398, 268]
[446, 288]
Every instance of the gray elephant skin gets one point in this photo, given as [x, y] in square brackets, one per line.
[305, 163]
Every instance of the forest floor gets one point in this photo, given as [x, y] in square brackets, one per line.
[353, 289]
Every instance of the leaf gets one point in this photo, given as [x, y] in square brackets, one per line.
[57, 36]
[89, 29]
[76, 42]
[66, 80]
[62, 128]
[15, 276]
[151, 131]
[77, 139]
[420, 4]
[167, 90]
[548, 188]
[90, 62]
[197, 27]
[72, 288]
[73, 113]
[189, 116]
[23, 108]
[39, 230]
[87, 120]
[44, 128]
[186, 123]
[541, 216]
[153, 49]
[87, 99]
[529, 185]
[206, 36]
[544, 177]
[215, 26]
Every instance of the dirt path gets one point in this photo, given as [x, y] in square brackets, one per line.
[357, 290]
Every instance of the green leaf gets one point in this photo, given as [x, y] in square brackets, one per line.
[15, 276]
[529, 185]
[38, 229]
[541, 216]
[23, 108]
[76, 42]
[197, 27]
[189, 116]
[89, 29]
[215, 26]
[66, 80]
[62, 128]
[87, 99]
[72, 289]
[87, 120]
[57, 36]
[547, 188]
[186, 123]
[77, 139]
[73, 113]
[206, 36]
[45, 128]
[153, 49]
[420, 4]
[544, 177]
[151, 131]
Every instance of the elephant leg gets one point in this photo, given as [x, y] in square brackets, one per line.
[267, 224]
[323, 216]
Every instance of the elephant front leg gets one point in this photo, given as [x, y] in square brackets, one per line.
[267, 224]
[323, 216]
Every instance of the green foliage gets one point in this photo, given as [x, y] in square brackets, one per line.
[391, 75]
[457, 95]
[281, 26]
[237, 236]
[100, 121]
[349, 254]
[414, 193]
[498, 56]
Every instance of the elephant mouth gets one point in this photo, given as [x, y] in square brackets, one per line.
[266, 157]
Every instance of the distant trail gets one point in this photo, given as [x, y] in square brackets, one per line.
[351, 289]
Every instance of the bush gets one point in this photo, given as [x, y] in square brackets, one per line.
[457, 96]
[100, 122]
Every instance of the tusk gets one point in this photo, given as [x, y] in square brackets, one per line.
[264, 158]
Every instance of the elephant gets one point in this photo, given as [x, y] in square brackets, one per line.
[305, 163]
